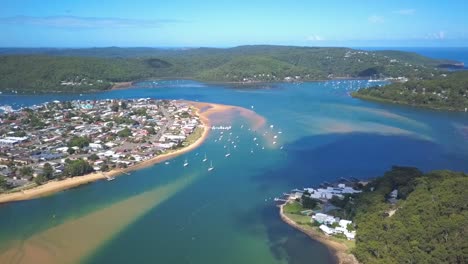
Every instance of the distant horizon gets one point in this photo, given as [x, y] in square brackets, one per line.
[222, 47]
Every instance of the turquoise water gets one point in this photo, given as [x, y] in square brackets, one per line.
[227, 215]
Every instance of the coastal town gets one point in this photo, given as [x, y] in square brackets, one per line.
[58, 140]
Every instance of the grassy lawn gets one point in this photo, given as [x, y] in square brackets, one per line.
[293, 212]
[293, 208]
[21, 188]
[196, 134]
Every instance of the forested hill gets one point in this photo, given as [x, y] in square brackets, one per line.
[447, 92]
[427, 223]
[77, 70]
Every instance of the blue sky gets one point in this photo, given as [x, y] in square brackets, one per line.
[219, 23]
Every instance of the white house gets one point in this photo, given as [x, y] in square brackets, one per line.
[327, 230]
[344, 223]
[329, 192]
[324, 218]
[95, 146]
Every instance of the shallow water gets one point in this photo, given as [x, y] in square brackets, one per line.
[227, 215]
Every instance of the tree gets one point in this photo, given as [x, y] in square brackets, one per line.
[104, 167]
[26, 171]
[126, 132]
[77, 168]
[71, 151]
[93, 157]
[151, 130]
[40, 179]
[115, 107]
[3, 183]
[80, 142]
[428, 226]
[48, 171]
[123, 105]
[308, 202]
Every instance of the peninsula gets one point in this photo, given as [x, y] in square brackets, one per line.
[59, 145]
[389, 217]
[447, 91]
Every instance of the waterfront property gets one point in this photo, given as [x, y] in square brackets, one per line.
[58, 139]
[315, 203]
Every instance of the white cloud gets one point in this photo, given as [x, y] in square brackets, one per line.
[83, 22]
[405, 12]
[375, 19]
[315, 38]
[437, 35]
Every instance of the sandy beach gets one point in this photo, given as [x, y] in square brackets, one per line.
[56, 186]
[340, 250]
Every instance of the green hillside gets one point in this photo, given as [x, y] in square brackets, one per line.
[77, 70]
[428, 224]
[41, 73]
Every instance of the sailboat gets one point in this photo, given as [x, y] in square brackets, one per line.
[211, 166]
[205, 159]
[185, 163]
[228, 154]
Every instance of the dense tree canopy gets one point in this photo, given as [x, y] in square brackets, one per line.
[427, 224]
[448, 92]
[80, 142]
[81, 70]
[77, 168]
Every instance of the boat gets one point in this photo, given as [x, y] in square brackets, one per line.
[205, 159]
[185, 163]
[211, 166]
[110, 178]
[167, 162]
[228, 154]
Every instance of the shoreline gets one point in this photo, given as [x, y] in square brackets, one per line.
[55, 186]
[121, 85]
[338, 250]
[129, 85]
[405, 104]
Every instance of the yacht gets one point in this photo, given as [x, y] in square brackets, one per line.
[211, 166]
[185, 163]
[205, 159]
[228, 154]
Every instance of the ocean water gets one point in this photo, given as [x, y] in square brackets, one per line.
[171, 214]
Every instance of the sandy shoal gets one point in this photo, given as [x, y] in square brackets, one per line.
[214, 112]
